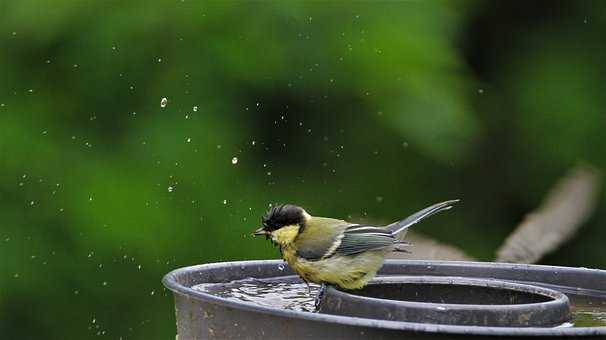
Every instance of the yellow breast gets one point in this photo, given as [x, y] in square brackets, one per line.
[349, 272]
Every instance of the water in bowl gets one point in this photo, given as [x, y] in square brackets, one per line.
[588, 316]
[275, 294]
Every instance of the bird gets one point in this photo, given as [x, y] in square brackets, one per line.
[330, 251]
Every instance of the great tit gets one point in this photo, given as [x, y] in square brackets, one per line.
[331, 251]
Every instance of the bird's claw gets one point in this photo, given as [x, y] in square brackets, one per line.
[320, 295]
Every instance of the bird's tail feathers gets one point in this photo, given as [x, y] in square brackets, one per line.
[398, 229]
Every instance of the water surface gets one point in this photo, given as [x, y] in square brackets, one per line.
[275, 294]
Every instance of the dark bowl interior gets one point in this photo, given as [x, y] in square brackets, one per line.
[449, 294]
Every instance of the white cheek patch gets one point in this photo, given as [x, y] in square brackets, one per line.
[273, 237]
[306, 216]
[285, 235]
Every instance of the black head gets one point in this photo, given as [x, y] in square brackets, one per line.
[283, 215]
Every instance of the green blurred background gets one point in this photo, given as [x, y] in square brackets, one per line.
[354, 110]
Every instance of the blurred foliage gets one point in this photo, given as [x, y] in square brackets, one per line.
[356, 110]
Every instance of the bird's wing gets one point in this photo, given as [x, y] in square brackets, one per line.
[319, 238]
[360, 238]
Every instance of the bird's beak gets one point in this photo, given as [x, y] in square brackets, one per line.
[259, 232]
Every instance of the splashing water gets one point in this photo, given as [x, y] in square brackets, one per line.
[284, 295]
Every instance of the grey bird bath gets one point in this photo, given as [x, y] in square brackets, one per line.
[408, 299]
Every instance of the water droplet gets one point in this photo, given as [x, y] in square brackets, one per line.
[152, 292]
[253, 142]
[188, 140]
[195, 109]
[480, 91]
[139, 267]
[170, 189]
[105, 283]
[224, 201]
[163, 102]
[234, 160]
